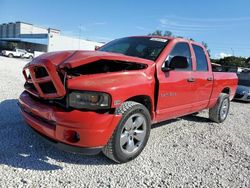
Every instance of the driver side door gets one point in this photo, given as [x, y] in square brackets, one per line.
[176, 87]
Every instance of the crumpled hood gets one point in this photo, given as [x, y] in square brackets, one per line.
[71, 59]
[55, 58]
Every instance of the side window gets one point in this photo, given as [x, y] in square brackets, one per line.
[182, 49]
[201, 59]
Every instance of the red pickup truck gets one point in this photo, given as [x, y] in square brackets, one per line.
[107, 100]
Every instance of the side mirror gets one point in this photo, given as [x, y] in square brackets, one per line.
[178, 62]
[165, 69]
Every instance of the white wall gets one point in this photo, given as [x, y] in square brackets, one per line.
[59, 43]
[39, 30]
[31, 29]
[25, 28]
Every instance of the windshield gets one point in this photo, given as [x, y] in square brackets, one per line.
[143, 47]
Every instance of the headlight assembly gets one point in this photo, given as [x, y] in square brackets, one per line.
[89, 100]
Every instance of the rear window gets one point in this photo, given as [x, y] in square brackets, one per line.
[201, 60]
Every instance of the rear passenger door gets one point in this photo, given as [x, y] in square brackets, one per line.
[203, 78]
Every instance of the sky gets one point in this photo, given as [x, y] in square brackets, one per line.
[223, 24]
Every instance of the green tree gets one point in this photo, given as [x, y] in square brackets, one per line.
[247, 62]
[232, 61]
[12, 45]
[160, 33]
[168, 33]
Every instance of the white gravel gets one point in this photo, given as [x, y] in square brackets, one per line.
[186, 152]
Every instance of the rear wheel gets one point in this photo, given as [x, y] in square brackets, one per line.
[220, 111]
[10, 55]
[131, 134]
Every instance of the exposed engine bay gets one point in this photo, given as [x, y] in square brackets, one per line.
[105, 66]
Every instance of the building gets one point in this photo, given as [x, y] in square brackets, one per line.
[34, 38]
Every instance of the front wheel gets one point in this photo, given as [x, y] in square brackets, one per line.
[220, 111]
[131, 134]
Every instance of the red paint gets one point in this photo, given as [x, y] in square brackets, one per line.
[176, 96]
[94, 129]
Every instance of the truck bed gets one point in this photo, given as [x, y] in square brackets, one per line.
[223, 80]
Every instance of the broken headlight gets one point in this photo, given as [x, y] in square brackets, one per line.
[89, 100]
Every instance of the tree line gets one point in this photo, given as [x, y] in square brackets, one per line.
[233, 61]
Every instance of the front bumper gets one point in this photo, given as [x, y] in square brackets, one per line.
[55, 124]
[67, 147]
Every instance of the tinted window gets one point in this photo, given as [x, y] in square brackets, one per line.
[201, 60]
[119, 48]
[182, 49]
[143, 47]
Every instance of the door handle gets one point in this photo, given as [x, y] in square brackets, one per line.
[191, 80]
[209, 79]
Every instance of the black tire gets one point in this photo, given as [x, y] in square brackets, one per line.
[128, 110]
[10, 55]
[219, 112]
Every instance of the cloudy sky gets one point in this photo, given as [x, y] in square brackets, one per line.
[224, 25]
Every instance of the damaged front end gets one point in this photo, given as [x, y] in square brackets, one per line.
[49, 83]
[65, 95]
[43, 80]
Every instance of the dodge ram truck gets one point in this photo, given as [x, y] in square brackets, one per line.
[106, 100]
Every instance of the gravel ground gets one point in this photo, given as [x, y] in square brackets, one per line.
[186, 152]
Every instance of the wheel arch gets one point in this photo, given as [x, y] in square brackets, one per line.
[144, 100]
[227, 90]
